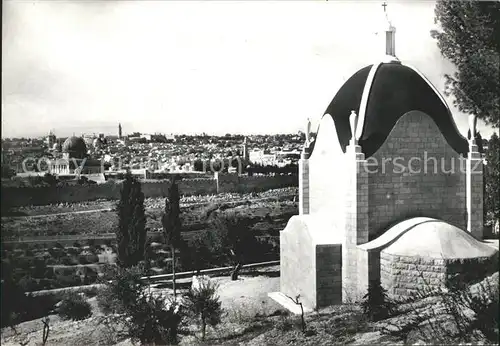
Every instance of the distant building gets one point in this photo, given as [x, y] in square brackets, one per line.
[170, 137]
[124, 141]
[261, 157]
[74, 147]
[98, 143]
[59, 166]
[50, 140]
[75, 159]
[245, 150]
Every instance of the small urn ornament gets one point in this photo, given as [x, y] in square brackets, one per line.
[353, 121]
[472, 127]
[308, 132]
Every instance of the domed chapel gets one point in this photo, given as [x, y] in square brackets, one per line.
[389, 190]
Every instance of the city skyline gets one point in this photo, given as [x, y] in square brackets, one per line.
[194, 67]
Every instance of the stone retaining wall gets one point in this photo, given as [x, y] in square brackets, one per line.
[24, 196]
[403, 276]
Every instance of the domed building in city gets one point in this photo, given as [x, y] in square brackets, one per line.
[98, 143]
[57, 147]
[74, 147]
[75, 159]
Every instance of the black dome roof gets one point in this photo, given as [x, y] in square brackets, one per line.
[75, 147]
[391, 90]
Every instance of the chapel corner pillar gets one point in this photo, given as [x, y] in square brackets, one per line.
[361, 188]
[474, 191]
[304, 205]
[356, 220]
[357, 197]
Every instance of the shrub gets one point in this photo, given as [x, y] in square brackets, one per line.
[24, 263]
[122, 289]
[39, 268]
[206, 251]
[90, 276]
[107, 302]
[74, 307]
[66, 260]
[88, 258]
[233, 235]
[10, 306]
[73, 250]
[27, 284]
[49, 273]
[69, 281]
[203, 304]
[148, 318]
[153, 320]
[56, 252]
[17, 306]
[94, 249]
[82, 259]
[376, 304]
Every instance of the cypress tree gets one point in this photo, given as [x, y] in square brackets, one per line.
[131, 233]
[172, 224]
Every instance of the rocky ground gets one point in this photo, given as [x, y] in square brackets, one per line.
[250, 318]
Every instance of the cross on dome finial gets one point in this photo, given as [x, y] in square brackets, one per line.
[384, 5]
[390, 33]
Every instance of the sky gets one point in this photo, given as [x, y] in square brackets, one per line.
[217, 67]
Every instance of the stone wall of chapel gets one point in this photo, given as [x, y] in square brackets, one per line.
[435, 186]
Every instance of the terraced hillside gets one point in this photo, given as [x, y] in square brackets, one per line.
[65, 245]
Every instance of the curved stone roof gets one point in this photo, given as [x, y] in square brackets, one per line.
[381, 94]
[75, 147]
[427, 237]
